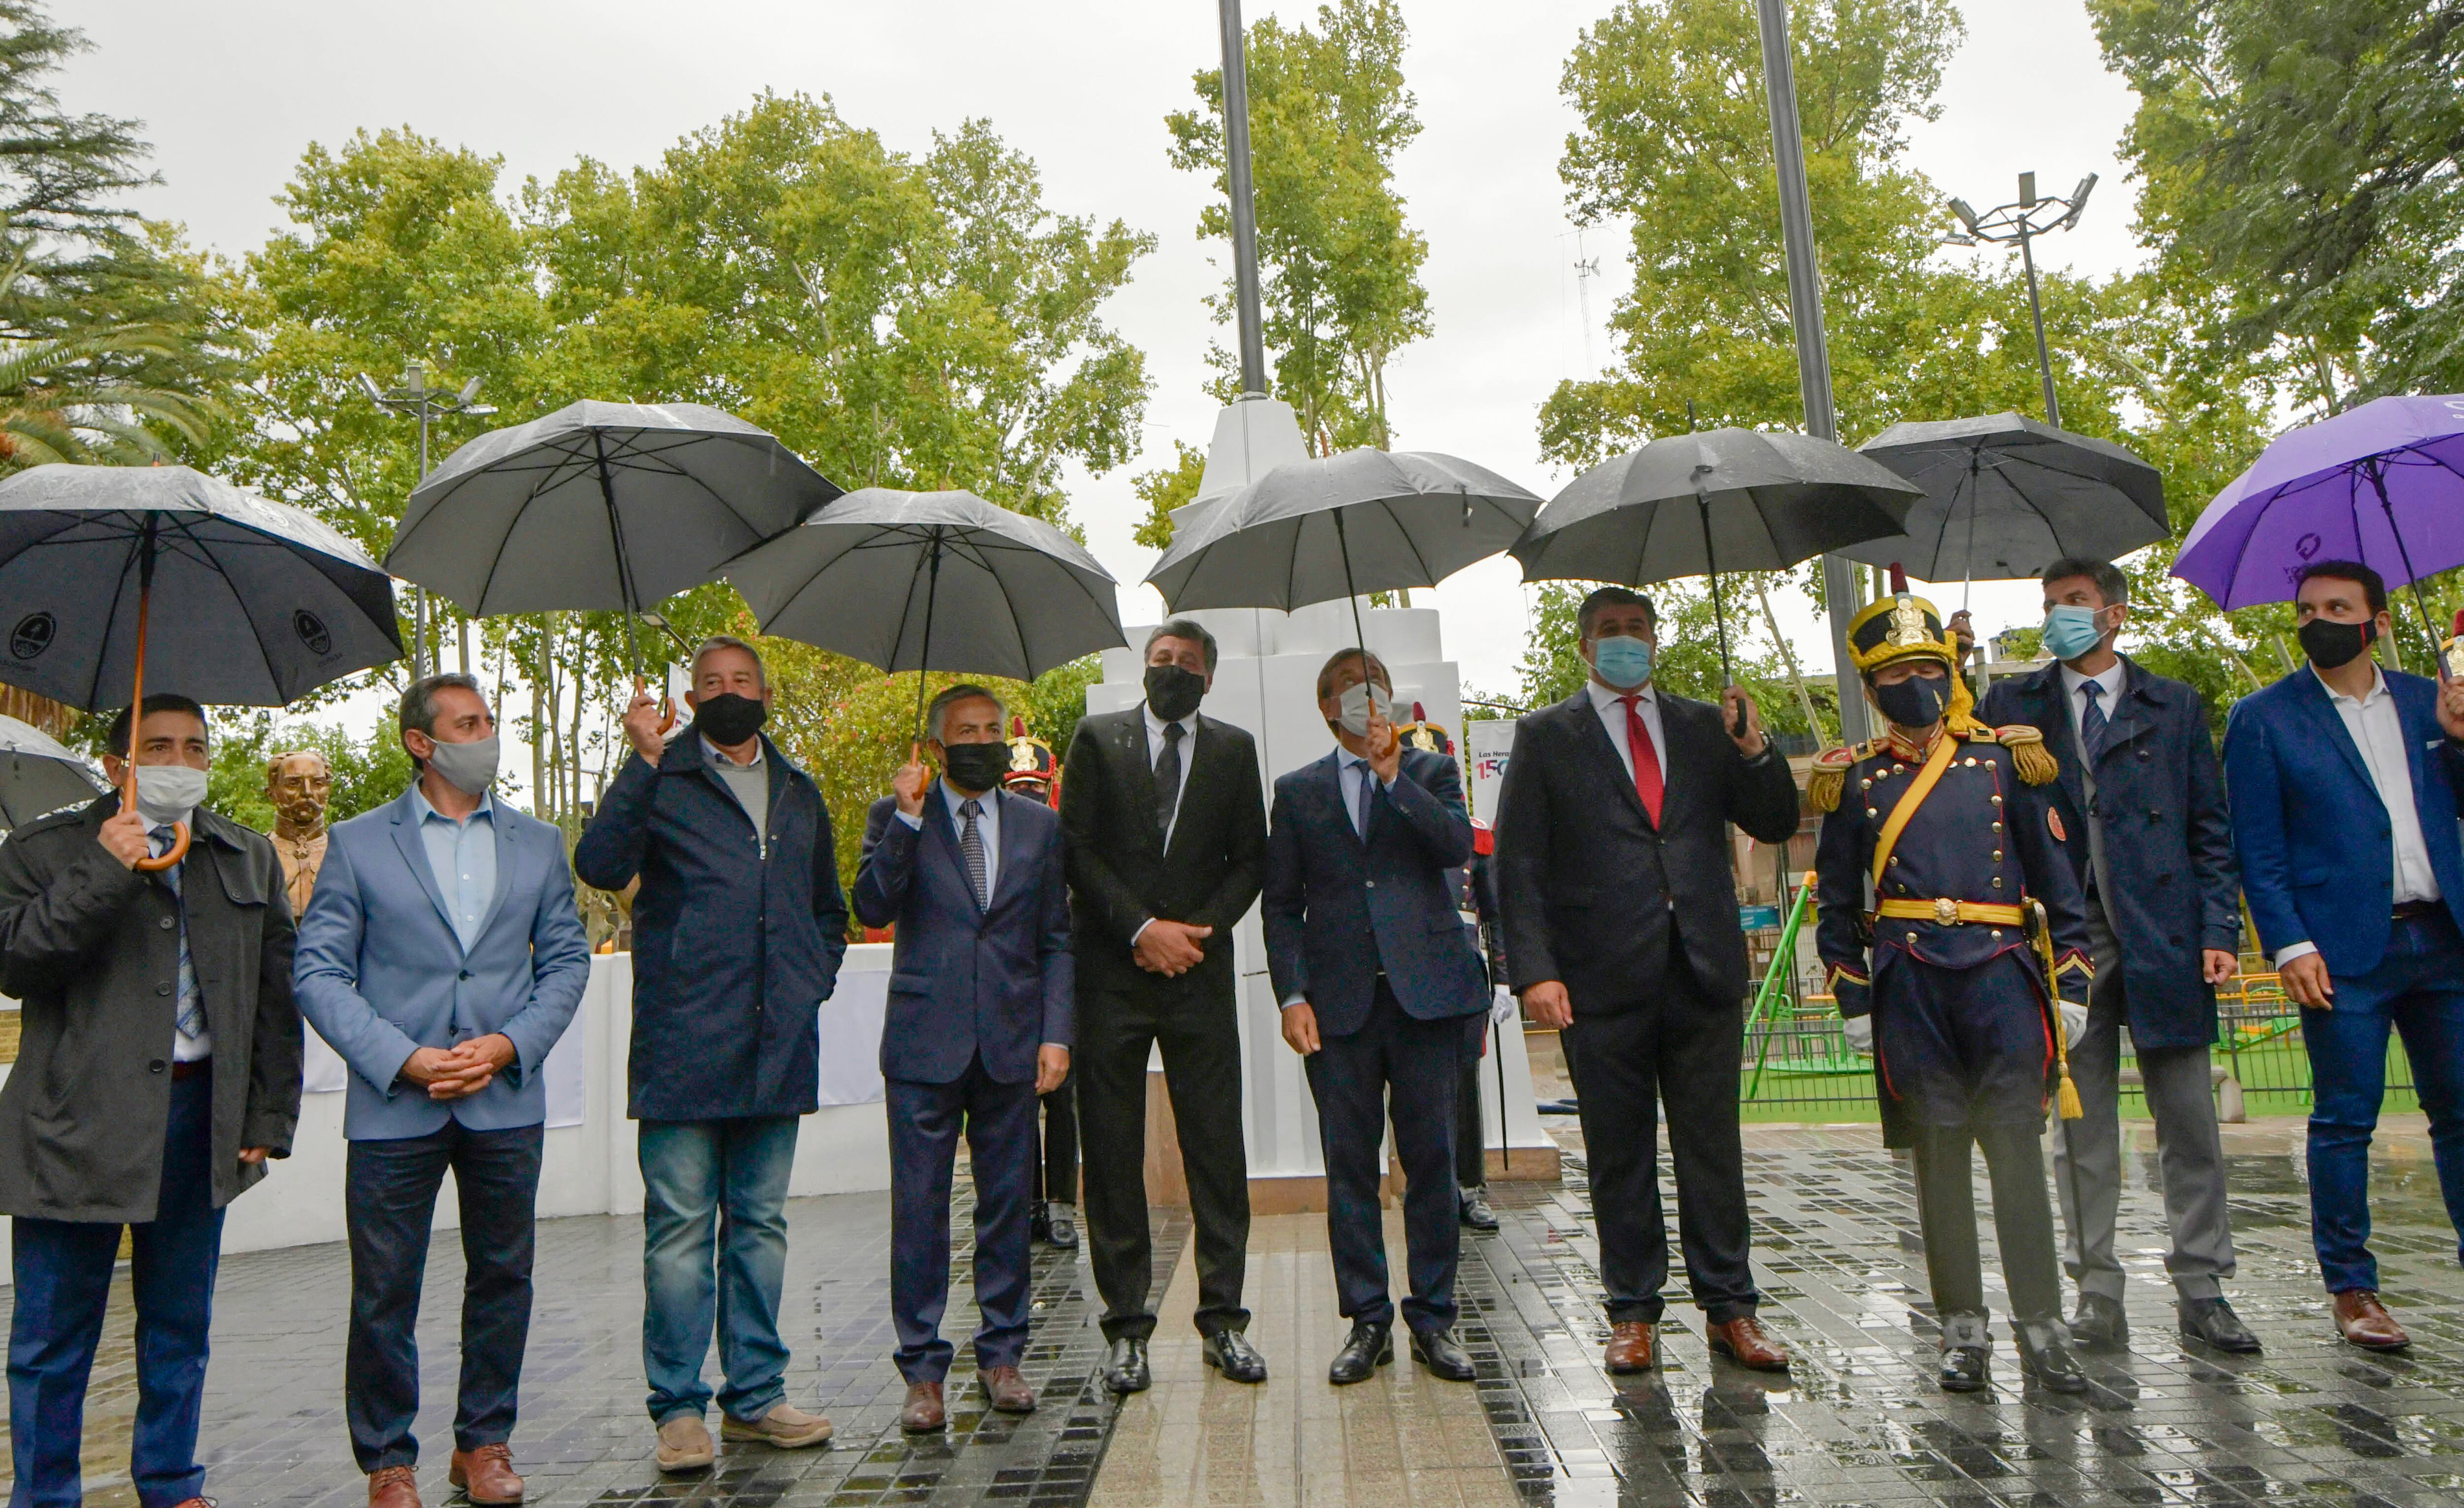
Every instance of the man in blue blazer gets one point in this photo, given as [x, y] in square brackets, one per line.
[441, 955]
[2346, 782]
[1381, 988]
[978, 1025]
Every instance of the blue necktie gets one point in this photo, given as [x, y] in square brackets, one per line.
[1368, 793]
[191, 1018]
[2092, 721]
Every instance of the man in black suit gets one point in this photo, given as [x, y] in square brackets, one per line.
[1621, 932]
[1166, 831]
[1378, 992]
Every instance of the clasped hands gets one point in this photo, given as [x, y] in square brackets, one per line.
[461, 1070]
[1170, 948]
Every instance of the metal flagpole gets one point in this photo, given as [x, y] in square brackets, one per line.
[1235, 181]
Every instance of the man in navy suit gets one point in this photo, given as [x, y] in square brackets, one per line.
[2344, 782]
[978, 1025]
[1380, 991]
[442, 956]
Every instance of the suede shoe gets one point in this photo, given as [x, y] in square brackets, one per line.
[1125, 1367]
[2211, 1321]
[1436, 1350]
[784, 1427]
[1629, 1347]
[486, 1475]
[1743, 1340]
[2099, 1324]
[2045, 1358]
[685, 1444]
[393, 1487]
[1474, 1209]
[1369, 1347]
[1229, 1352]
[2363, 1322]
[1007, 1389]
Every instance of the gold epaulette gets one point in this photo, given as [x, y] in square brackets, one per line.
[1829, 777]
[2036, 762]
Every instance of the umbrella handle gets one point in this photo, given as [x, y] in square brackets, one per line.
[667, 705]
[170, 856]
[179, 848]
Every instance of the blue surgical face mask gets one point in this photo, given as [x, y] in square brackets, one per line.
[1621, 661]
[2070, 630]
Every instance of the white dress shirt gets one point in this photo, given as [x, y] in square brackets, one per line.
[1612, 711]
[2378, 733]
[2109, 679]
[1154, 753]
[987, 826]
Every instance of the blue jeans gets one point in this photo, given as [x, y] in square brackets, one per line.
[732, 1175]
[2418, 988]
[63, 1276]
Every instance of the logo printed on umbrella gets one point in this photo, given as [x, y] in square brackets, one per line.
[2307, 545]
[33, 635]
[312, 632]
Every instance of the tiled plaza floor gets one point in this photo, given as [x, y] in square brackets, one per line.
[1858, 1422]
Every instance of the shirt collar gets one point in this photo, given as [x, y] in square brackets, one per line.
[2109, 678]
[2378, 687]
[711, 751]
[1603, 698]
[950, 798]
[427, 809]
[1155, 725]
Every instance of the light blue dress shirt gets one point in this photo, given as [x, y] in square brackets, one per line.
[987, 826]
[1351, 769]
[462, 855]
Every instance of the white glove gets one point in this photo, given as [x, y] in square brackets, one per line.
[1502, 1006]
[1859, 1031]
[2074, 1023]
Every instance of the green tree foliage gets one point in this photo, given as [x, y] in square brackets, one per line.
[1339, 266]
[1165, 488]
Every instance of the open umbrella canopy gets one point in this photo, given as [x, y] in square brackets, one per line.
[252, 602]
[1340, 525]
[2382, 484]
[931, 581]
[610, 507]
[2006, 495]
[37, 775]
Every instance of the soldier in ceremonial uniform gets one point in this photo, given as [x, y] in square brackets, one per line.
[1036, 775]
[1957, 946]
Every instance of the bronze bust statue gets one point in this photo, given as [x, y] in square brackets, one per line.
[299, 785]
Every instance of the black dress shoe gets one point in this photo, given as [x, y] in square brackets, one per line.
[2100, 1325]
[1058, 1230]
[1436, 1350]
[1475, 1214]
[2045, 1359]
[1965, 1369]
[2211, 1321]
[1229, 1352]
[1125, 1367]
[1370, 1347]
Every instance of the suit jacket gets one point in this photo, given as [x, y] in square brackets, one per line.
[2318, 855]
[382, 972]
[1597, 897]
[1340, 910]
[967, 981]
[2171, 883]
[1120, 875]
[92, 951]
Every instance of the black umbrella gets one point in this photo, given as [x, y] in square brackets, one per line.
[1717, 500]
[268, 603]
[2005, 496]
[37, 775]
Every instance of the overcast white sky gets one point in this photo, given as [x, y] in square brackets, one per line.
[231, 93]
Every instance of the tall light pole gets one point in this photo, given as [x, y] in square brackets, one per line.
[1244, 217]
[2022, 222]
[1841, 597]
[415, 398]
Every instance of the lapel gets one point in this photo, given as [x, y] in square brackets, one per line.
[1325, 773]
[507, 855]
[944, 821]
[1602, 755]
[2413, 731]
[2131, 712]
[1137, 778]
[2048, 707]
[2310, 696]
[403, 819]
[1013, 838]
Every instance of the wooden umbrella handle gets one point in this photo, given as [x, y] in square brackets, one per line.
[667, 705]
[170, 856]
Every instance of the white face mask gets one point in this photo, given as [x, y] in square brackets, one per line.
[168, 793]
[1355, 703]
[469, 768]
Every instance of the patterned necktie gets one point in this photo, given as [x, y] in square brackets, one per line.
[192, 1020]
[2092, 727]
[1646, 756]
[1167, 779]
[971, 847]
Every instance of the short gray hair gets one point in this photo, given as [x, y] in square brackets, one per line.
[938, 713]
[1189, 628]
[717, 642]
[418, 710]
[2110, 583]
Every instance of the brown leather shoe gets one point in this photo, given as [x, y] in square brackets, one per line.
[923, 1413]
[1007, 1389]
[2363, 1322]
[393, 1487]
[486, 1475]
[1630, 1346]
[1743, 1340]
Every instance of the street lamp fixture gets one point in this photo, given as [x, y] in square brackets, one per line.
[415, 398]
[2019, 224]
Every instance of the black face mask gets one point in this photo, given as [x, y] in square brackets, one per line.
[976, 767]
[728, 719]
[2329, 644]
[1173, 691]
[1916, 702]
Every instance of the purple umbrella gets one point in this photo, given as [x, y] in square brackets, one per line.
[2382, 484]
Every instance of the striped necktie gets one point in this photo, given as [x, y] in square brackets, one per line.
[192, 1020]
[2092, 724]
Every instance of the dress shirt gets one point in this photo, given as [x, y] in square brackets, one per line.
[462, 855]
[184, 1049]
[2109, 679]
[1154, 753]
[1350, 770]
[2378, 733]
[749, 783]
[987, 827]
[1612, 709]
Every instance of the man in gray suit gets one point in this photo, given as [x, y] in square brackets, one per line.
[442, 956]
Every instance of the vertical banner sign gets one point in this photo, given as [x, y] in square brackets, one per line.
[1488, 744]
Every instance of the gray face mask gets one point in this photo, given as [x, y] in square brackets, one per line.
[469, 768]
[168, 793]
[1356, 703]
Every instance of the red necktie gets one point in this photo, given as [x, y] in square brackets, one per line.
[1647, 757]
